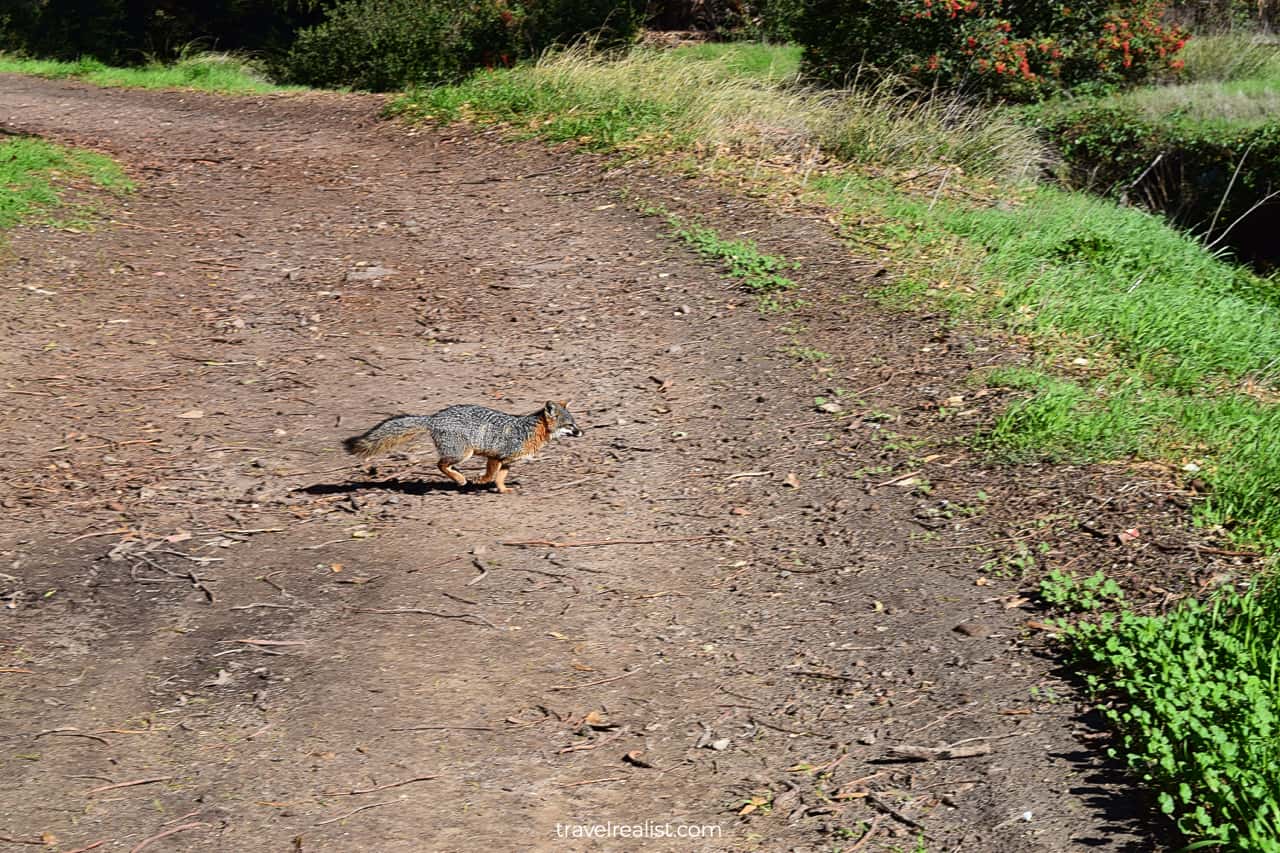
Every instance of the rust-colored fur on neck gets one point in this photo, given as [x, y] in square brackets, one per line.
[534, 443]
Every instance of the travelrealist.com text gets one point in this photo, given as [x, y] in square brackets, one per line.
[648, 829]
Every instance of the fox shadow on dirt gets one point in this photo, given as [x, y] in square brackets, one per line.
[395, 484]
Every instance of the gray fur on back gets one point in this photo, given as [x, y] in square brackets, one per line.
[485, 431]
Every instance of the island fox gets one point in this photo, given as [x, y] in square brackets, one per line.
[460, 432]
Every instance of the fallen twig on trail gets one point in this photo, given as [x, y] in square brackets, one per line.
[7, 840]
[195, 582]
[897, 479]
[269, 582]
[593, 781]
[147, 842]
[117, 531]
[253, 642]
[354, 811]
[593, 543]
[392, 611]
[1204, 549]
[129, 784]
[263, 604]
[445, 729]
[88, 847]
[593, 683]
[73, 733]
[829, 676]
[484, 573]
[192, 557]
[892, 812]
[866, 836]
[17, 669]
[906, 752]
[355, 791]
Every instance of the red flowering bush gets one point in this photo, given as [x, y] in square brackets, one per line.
[1014, 49]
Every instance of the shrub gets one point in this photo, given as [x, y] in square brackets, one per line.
[998, 48]
[605, 23]
[775, 20]
[383, 45]
[1195, 697]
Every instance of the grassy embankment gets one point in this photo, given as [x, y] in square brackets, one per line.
[1148, 346]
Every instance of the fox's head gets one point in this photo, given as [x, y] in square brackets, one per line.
[559, 421]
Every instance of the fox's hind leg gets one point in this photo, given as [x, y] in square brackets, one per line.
[490, 471]
[446, 464]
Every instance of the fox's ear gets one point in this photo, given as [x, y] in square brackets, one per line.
[549, 409]
[564, 404]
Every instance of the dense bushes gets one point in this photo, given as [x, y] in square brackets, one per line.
[392, 44]
[126, 32]
[1020, 50]
[387, 44]
[369, 44]
[1203, 174]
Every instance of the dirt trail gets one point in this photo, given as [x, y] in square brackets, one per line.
[197, 584]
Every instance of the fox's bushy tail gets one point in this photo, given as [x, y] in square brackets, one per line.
[390, 433]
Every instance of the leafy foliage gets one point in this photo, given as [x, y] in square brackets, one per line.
[1068, 592]
[1195, 695]
[1001, 48]
[382, 45]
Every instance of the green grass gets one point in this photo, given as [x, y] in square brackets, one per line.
[1149, 346]
[701, 100]
[758, 272]
[209, 72]
[765, 63]
[1195, 697]
[34, 174]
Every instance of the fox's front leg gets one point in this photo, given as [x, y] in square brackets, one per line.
[491, 469]
[500, 478]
